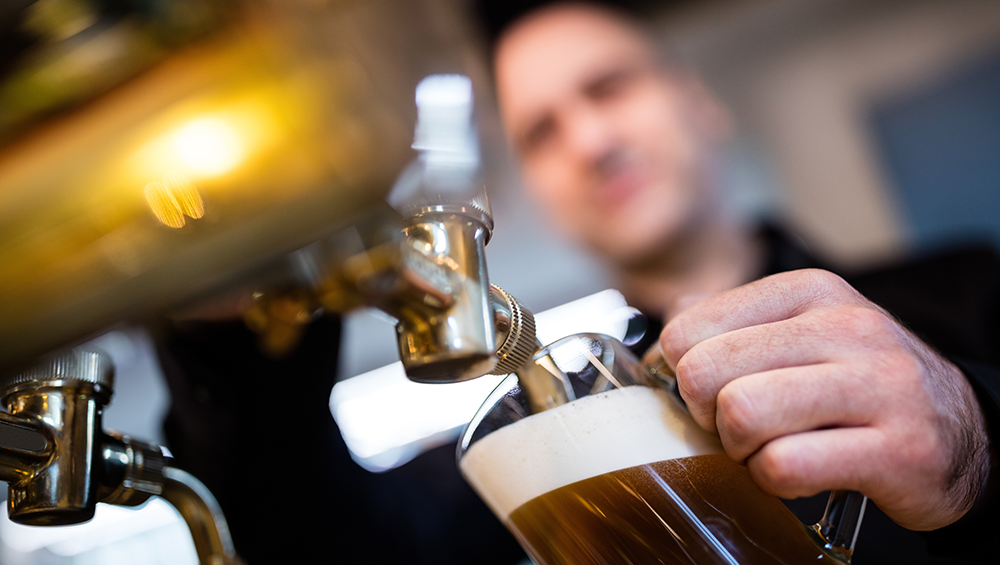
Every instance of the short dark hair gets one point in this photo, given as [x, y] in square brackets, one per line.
[496, 16]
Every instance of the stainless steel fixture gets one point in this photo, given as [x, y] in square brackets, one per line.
[59, 462]
[234, 148]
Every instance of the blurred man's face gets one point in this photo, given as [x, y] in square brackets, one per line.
[610, 143]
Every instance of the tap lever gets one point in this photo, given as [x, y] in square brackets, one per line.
[20, 437]
[24, 447]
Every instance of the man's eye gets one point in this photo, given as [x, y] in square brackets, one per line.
[610, 84]
[538, 135]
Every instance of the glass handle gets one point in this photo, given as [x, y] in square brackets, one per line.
[838, 529]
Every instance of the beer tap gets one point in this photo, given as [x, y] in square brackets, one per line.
[427, 266]
[59, 463]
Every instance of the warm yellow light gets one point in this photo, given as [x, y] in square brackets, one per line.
[215, 144]
[173, 199]
[208, 146]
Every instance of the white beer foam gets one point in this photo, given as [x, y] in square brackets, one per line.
[612, 430]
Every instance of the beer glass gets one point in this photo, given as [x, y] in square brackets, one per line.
[589, 457]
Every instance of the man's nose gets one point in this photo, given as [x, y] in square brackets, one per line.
[589, 135]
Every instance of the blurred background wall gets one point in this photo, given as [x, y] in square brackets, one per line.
[879, 118]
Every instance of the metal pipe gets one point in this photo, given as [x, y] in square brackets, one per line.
[133, 471]
[203, 516]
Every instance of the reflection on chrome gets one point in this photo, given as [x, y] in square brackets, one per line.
[209, 145]
[173, 199]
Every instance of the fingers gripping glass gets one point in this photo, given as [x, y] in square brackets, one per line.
[588, 458]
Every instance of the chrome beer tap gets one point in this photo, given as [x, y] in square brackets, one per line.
[429, 273]
[59, 462]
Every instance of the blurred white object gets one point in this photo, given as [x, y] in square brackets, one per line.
[445, 130]
[152, 534]
[387, 420]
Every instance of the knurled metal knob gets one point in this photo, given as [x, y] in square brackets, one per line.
[78, 365]
[519, 343]
[133, 473]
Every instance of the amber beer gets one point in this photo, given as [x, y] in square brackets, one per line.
[622, 477]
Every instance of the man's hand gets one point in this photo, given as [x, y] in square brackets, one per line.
[817, 388]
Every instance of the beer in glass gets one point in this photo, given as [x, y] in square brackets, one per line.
[609, 468]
